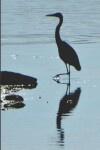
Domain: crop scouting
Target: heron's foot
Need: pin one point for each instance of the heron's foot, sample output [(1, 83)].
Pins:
[(68, 73), (56, 77), (68, 84)]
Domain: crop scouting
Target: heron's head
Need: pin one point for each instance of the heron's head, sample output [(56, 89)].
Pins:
[(59, 15)]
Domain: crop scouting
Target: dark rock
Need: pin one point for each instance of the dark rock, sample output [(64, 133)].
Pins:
[(12, 78), (14, 106), (14, 97)]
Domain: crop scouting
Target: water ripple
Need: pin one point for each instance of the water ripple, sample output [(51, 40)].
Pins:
[(29, 39)]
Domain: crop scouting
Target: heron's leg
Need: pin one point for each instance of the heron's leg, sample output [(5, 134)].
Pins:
[(67, 68), (68, 89), (69, 75), (68, 71), (57, 76)]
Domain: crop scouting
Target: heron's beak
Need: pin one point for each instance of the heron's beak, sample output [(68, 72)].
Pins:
[(51, 15)]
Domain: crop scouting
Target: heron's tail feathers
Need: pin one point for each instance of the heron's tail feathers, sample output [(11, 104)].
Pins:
[(78, 67)]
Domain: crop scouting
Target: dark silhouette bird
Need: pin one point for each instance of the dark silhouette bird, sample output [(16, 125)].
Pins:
[(66, 52)]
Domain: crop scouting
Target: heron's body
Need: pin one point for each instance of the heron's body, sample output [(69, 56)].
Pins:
[(66, 52)]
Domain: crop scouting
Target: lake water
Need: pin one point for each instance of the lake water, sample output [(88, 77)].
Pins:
[(51, 119)]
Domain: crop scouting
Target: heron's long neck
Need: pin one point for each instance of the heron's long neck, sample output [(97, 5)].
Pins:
[(57, 32)]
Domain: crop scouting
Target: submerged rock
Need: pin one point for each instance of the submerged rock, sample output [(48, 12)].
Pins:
[(12, 102), (13, 97), (13, 106)]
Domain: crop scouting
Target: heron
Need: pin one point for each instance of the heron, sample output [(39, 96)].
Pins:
[(66, 52)]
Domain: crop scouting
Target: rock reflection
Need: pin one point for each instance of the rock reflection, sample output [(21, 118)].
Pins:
[(12, 102), (67, 103)]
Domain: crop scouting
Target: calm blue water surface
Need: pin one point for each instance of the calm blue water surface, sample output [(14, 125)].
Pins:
[(28, 47)]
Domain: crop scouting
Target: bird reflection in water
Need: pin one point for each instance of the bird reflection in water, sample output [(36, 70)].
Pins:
[(67, 103)]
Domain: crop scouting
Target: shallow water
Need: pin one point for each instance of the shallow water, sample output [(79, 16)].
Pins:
[(28, 47)]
